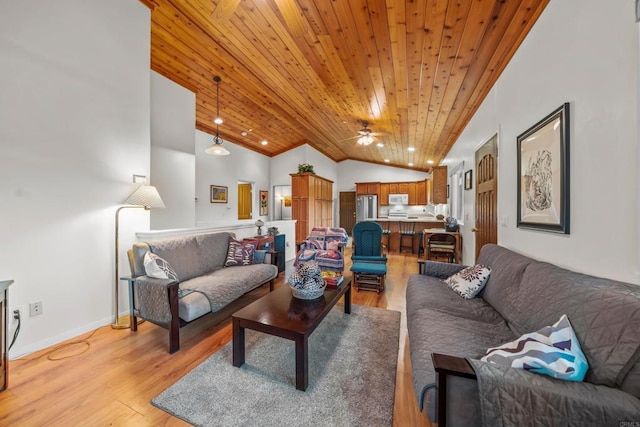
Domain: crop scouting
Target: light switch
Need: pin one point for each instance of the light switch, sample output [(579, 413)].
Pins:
[(504, 221)]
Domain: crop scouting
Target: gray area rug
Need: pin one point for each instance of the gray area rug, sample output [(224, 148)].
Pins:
[(352, 374)]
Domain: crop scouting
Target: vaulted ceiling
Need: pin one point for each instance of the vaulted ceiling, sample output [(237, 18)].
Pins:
[(313, 71)]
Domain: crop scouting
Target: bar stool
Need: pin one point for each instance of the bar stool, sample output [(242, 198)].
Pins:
[(386, 235), (406, 235), (420, 234)]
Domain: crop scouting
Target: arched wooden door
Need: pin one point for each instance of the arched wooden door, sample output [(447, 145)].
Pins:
[(486, 228)]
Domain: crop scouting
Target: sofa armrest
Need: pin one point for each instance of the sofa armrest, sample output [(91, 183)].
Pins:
[(444, 366), (440, 270), (151, 298)]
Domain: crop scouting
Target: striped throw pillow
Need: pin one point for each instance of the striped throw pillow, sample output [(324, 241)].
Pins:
[(553, 351)]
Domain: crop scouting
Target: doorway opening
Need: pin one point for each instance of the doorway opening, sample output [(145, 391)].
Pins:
[(245, 205), (281, 202)]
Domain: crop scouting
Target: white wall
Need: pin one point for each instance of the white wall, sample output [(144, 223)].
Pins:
[(74, 129), (173, 160), (240, 165), (564, 60), (352, 171)]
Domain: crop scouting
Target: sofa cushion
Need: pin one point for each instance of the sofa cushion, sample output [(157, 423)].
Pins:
[(469, 281), (467, 330), (553, 351), (225, 285), (605, 316), (446, 334), (426, 291), (239, 253), (157, 267), (507, 268), (181, 253), (212, 250)]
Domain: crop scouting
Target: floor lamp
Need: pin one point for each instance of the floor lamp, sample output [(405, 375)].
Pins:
[(146, 197)]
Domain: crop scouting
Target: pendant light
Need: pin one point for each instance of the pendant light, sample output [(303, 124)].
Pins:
[(216, 148)]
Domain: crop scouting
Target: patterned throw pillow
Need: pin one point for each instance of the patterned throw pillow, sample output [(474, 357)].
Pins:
[(157, 267), (239, 253), (469, 281), (553, 350)]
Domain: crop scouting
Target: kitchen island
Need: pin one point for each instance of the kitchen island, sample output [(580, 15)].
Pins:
[(393, 225)]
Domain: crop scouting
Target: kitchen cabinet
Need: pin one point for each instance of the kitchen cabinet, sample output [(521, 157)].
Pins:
[(403, 187), (411, 191), (311, 203), (439, 185), (383, 196), (422, 198), (367, 188), (393, 188)]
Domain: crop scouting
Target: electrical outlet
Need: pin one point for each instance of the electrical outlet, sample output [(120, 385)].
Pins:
[(35, 308)]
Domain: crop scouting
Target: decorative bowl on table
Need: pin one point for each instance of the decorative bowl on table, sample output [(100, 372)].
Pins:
[(306, 281)]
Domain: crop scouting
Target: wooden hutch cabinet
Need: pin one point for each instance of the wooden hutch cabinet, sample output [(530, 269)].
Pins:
[(311, 203)]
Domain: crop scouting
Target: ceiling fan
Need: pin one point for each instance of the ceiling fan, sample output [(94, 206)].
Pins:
[(365, 135)]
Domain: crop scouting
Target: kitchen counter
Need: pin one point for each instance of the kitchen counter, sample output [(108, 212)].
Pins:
[(408, 219), (420, 224)]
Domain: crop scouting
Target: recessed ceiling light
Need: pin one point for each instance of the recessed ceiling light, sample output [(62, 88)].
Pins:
[(430, 162), (243, 133), (264, 142), (410, 164), (380, 144), (411, 149), (386, 160)]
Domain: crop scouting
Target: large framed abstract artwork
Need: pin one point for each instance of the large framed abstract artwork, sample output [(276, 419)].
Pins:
[(543, 174)]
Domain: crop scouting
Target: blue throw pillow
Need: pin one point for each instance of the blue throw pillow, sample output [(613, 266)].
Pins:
[(553, 351), (259, 255)]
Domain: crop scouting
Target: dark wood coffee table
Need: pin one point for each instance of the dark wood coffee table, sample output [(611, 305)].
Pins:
[(282, 315)]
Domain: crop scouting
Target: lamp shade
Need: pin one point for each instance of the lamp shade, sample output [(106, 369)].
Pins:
[(145, 195), (217, 150)]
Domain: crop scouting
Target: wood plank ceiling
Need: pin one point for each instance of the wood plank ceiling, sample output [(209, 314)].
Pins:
[(312, 71)]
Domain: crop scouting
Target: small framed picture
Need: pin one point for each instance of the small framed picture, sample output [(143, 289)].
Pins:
[(264, 202), (219, 194), (468, 179)]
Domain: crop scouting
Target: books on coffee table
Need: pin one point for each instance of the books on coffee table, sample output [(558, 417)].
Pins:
[(333, 279)]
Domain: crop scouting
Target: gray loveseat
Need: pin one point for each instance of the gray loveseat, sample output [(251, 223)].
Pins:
[(204, 285), (522, 295)]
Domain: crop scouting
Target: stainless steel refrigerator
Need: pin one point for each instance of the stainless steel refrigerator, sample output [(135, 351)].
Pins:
[(366, 207)]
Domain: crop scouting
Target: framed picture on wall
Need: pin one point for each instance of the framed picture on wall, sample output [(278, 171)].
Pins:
[(219, 194), (264, 202), (468, 179), (543, 174)]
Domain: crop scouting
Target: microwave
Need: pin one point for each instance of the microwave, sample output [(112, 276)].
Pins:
[(398, 199)]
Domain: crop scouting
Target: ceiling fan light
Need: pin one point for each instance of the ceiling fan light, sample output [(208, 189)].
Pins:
[(365, 140)]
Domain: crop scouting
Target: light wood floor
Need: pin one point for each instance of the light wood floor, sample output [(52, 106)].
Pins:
[(109, 377)]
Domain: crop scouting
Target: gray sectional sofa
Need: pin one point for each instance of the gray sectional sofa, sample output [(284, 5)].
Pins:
[(204, 285), (521, 296)]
